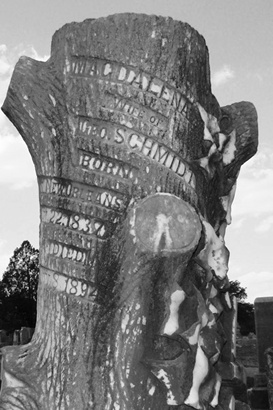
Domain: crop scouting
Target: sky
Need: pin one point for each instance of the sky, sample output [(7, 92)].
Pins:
[(239, 35)]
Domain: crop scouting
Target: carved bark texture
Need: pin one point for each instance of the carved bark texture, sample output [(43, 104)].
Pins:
[(136, 166)]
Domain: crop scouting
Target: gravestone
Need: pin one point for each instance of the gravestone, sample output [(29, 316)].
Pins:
[(25, 334), (3, 338), (16, 337), (137, 166), (264, 328), (259, 396)]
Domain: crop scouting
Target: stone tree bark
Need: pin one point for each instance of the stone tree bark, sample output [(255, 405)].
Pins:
[(136, 166)]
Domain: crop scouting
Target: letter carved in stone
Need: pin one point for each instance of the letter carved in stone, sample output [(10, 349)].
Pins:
[(137, 166)]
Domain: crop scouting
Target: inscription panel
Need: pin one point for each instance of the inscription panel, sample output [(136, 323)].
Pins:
[(69, 285), (69, 267), (77, 222), (68, 237), (151, 123), (122, 111), (113, 167), (159, 113), (135, 142), (83, 193), (72, 253), (91, 210), (123, 137), (103, 70)]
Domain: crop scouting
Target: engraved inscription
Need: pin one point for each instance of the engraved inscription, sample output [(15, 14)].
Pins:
[(135, 142), (60, 250), (118, 73), (116, 168), (125, 112), (93, 211), (119, 118), (146, 99), (123, 96), (70, 189), (68, 237), (76, 222), (69, 268), (70, 286)]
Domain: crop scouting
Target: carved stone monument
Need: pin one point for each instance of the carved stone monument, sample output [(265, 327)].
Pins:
[(137, 166)]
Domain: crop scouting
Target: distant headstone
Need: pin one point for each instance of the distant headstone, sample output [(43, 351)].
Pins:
[(3, 337), (26, 334), (137, 166), (264, 328), (16, 337), (259, 397)]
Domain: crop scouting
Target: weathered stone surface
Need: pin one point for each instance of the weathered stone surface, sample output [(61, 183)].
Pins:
[(136, 166)]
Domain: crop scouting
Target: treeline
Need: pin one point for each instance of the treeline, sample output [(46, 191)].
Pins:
[(18, 289)]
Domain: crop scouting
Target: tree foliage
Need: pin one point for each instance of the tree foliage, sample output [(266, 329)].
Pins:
[(246, 318), (237, 290), (18, 288), (245, 315)]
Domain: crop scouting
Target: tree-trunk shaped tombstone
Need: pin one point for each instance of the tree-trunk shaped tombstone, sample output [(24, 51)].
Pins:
[(137, 166)]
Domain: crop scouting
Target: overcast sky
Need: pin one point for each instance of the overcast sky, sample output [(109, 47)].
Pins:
[(239, 35)]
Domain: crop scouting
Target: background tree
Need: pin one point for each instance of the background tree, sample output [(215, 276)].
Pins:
[(237, 290), (18, 288), (245, 316)]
